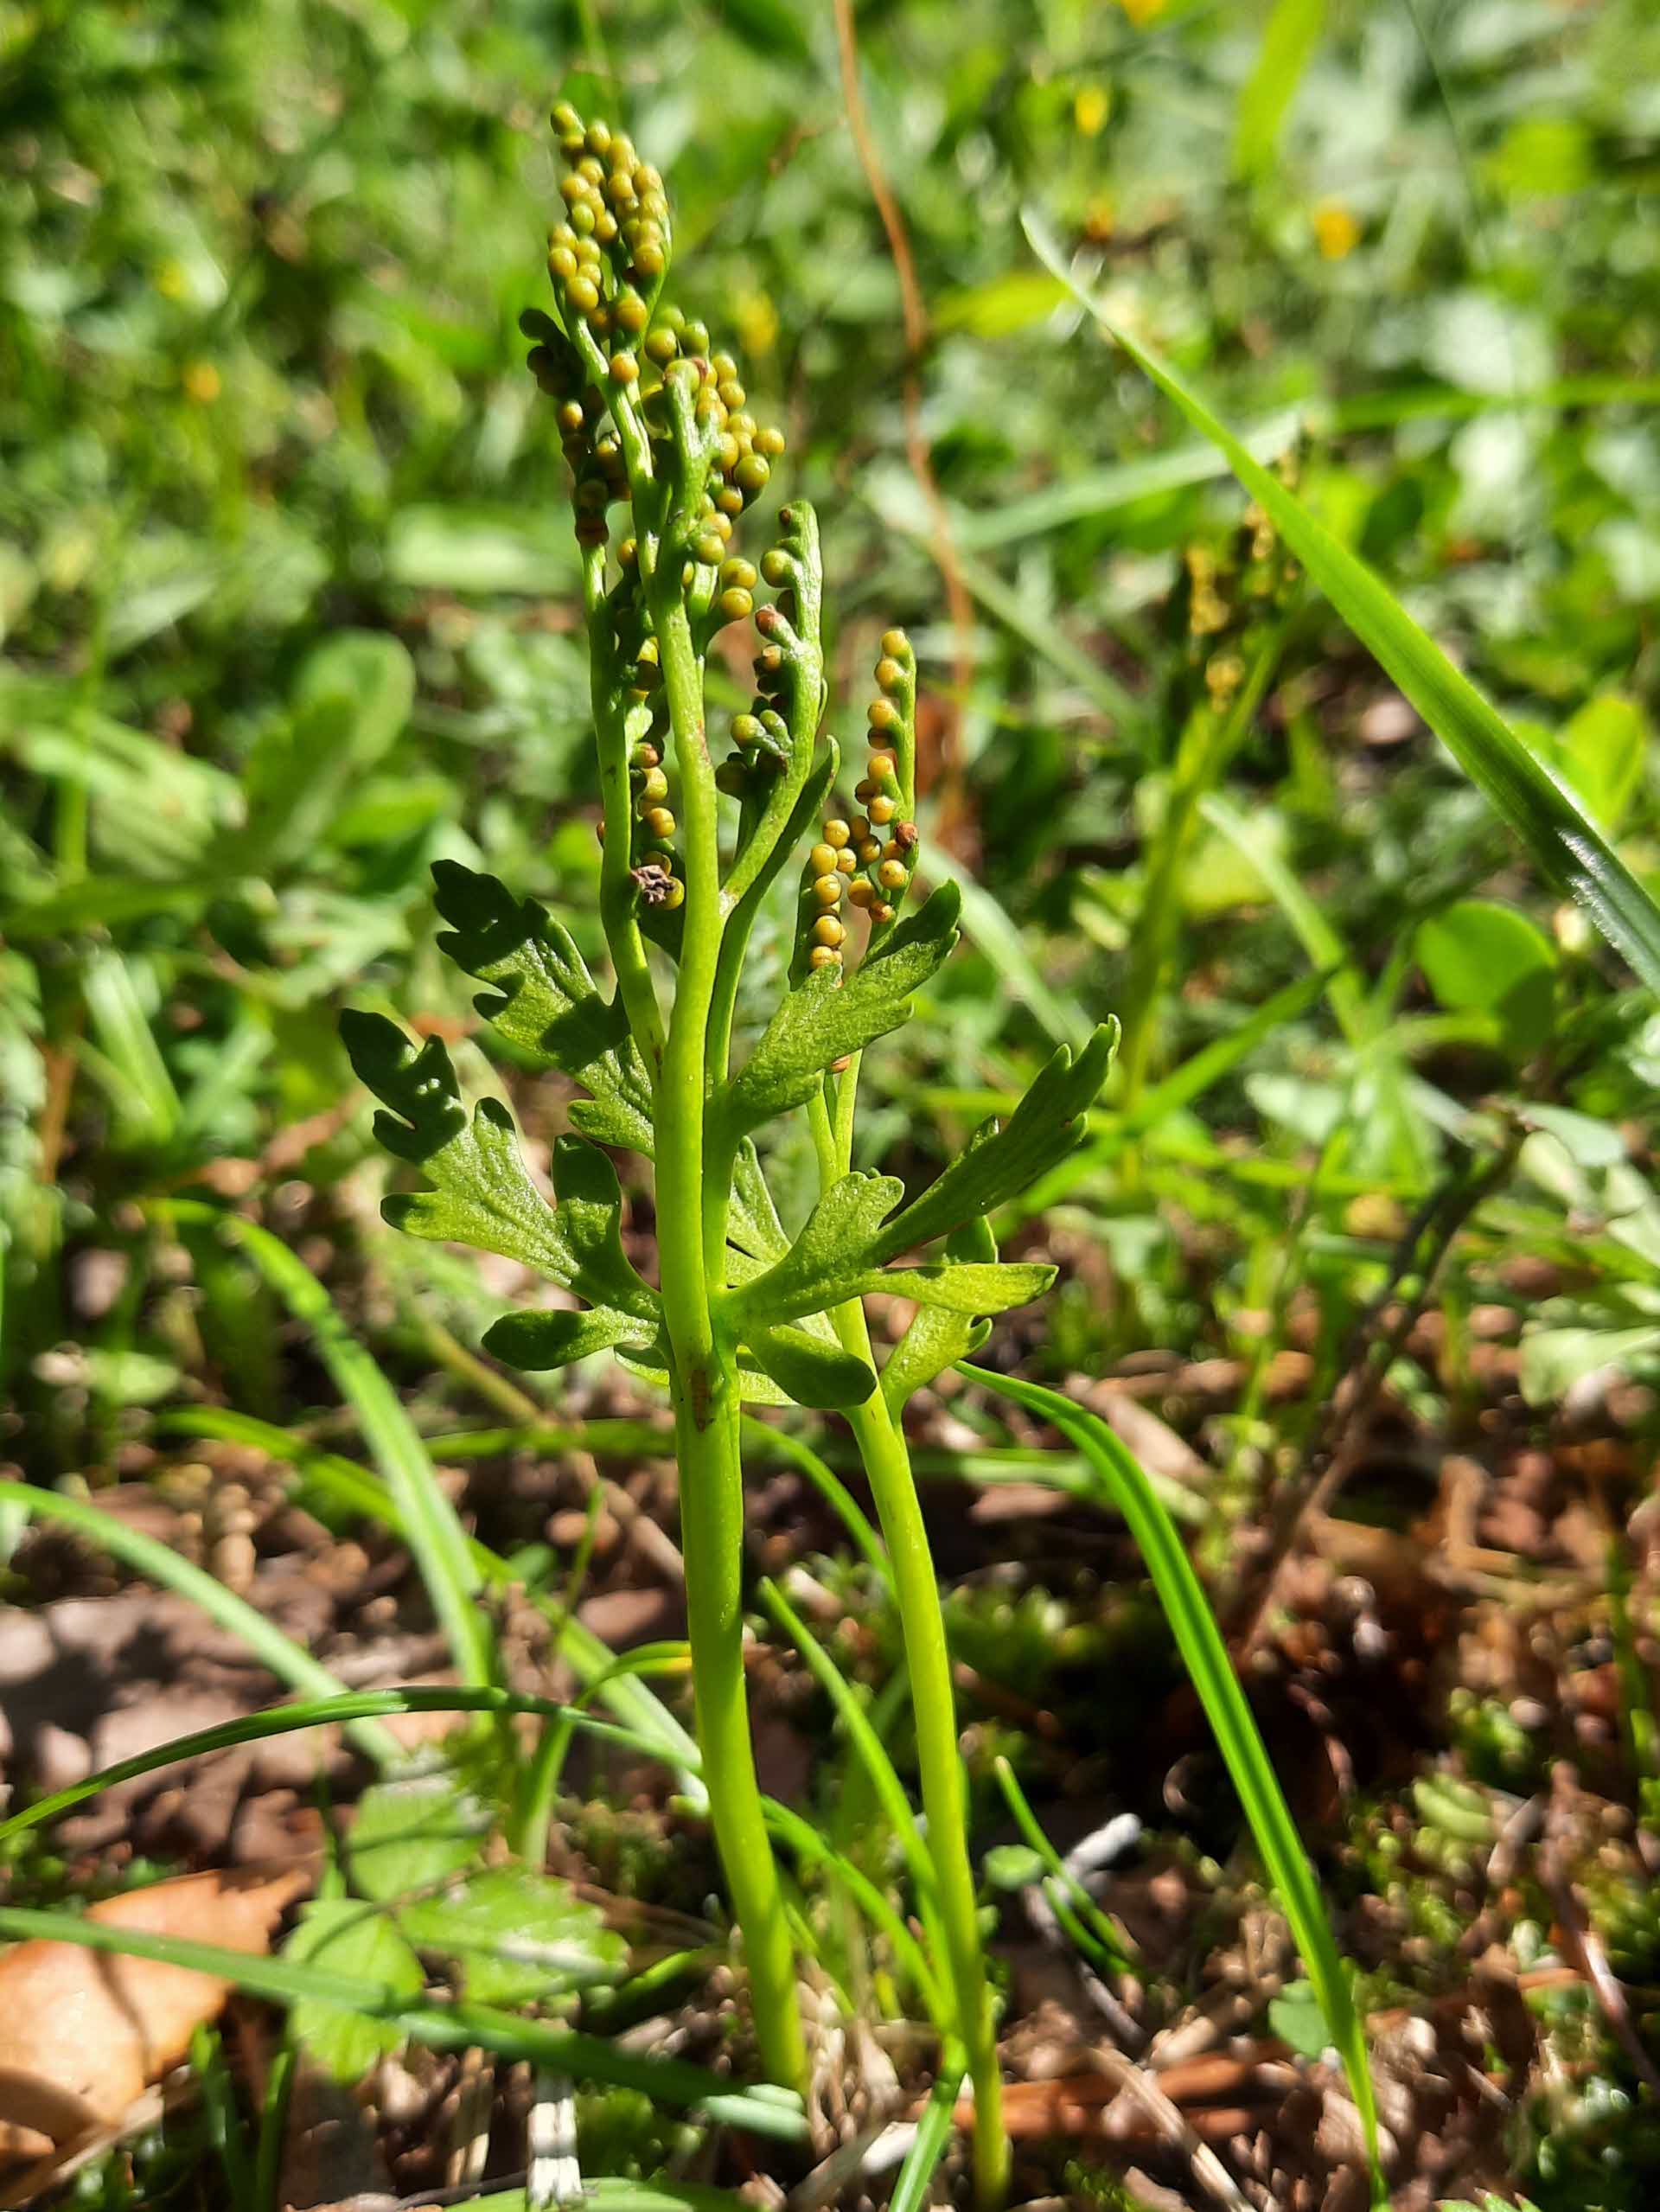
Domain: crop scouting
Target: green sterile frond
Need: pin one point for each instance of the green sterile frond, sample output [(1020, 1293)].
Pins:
[(752, 1220), (1003, 1160), (937, 1337), (538, 1341), (964, 1287), (830, 1251), (826, 1018), (545, 1002), (811, 1370), (547, 1006), (753, 1388), (591, 1209), (481, 1193), (843, 1252)]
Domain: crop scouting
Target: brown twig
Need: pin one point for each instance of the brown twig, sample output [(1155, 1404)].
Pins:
[(1334, 1450), (952, 822), (60, 1063)]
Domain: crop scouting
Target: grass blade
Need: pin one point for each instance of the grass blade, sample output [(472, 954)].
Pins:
[(990, 932), (1123, 1484), (319, 1712), (289, 1661), (932, 2132), (1561, 837), (829, 1486), (884, 1777), (426, 1518), (1289, 42), (274, 2122), (363, 1704), (355, 1488), (872, 1754), (1102, 1940), (447, 2027), (809, 1845), (1122, 484)]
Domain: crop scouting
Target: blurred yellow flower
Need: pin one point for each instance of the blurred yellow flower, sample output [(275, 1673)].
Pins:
[(1336, 231), (202, 382), (757, 324), (1091, 108), (1374, 1214), (1142, 12)]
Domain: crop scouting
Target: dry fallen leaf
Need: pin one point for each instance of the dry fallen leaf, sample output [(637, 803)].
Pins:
[(83, 2033)]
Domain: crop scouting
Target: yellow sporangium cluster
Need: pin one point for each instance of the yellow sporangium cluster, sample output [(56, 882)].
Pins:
[(651, 418), (614, 340), (1231, 586), (869, 857)]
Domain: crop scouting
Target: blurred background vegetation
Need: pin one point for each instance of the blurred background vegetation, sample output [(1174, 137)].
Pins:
[(262, 268), (287, 588)]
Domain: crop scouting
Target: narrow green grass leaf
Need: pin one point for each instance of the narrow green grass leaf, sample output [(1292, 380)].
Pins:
[(361, 1705), (1097, 492), (344, 1707), (1560, 836), (921, 2161), (225, 2129), (872, 1755), (989, 930), (1123, 1484), (1315, 933), (1289, 42), (273, 2129), (426, 1517), (808, 1844), (448, 2027), (885, 1779), (356, 1489), (289, 1661), (1107, 1941)]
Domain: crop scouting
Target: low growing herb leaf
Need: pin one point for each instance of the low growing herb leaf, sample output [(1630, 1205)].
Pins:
[(517, 1937), (412, 1832), (1485, 958), (343, 1935)]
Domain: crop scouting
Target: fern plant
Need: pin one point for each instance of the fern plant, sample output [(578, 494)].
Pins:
[(655, 424)]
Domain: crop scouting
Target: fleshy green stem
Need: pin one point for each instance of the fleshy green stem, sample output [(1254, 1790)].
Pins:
[(691, 1224), (887, 1463), (886, 1460)]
